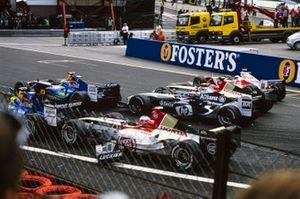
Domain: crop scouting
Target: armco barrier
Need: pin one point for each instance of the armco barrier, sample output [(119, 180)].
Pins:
[(216, 60)]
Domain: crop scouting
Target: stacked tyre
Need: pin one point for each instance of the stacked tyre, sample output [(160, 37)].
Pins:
[(35, 186)]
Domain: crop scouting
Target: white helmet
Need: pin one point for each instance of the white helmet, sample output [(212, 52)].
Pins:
[(144, 120)]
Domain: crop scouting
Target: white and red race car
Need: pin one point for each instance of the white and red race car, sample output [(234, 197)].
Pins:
[(245, 83), (117, 137)]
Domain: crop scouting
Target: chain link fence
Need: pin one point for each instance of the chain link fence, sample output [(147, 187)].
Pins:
[(66, 153)]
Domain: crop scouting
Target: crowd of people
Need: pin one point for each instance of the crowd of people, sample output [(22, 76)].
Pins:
[(282, 14), (22, 18)]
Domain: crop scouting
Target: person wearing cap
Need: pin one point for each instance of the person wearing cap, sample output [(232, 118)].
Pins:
[(160, 36)]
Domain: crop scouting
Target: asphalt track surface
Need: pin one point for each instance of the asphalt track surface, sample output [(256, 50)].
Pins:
[(278, 130)]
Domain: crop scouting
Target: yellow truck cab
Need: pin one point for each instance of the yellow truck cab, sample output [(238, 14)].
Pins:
[(226, 26), (193, 26)]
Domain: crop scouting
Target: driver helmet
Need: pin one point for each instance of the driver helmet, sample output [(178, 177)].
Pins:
[(21, 93), (145, 121), (236, 77), (220, 81), (71, 76)]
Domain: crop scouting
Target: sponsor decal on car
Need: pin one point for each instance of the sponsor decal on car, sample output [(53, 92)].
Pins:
[(108, 151), (207, 58), (166, 103), (92, 92), (126, 144), (246, 104), (50, 116)]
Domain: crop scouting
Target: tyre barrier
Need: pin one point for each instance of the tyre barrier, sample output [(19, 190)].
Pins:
[(24, 173), (83, 196), (58, 192), (26, 195), (31, 183)]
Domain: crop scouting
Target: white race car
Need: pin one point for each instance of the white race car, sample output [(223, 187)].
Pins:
[(117, 137)]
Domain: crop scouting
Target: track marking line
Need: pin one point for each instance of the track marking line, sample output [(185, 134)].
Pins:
[(133, 167), (118, 63)]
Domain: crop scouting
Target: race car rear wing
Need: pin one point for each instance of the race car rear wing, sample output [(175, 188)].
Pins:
[(53, 113)]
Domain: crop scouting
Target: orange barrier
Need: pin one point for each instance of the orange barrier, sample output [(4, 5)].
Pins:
[(83, 196), (24, 173), (58, 192), (26, 195), (31, 183)]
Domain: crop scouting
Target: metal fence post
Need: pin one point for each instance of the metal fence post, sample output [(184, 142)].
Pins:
[(221, 167)]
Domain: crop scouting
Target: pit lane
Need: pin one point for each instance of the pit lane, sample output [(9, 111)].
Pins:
[(277, 129)]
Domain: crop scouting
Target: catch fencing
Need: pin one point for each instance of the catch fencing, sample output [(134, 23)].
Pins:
[(138, 175)]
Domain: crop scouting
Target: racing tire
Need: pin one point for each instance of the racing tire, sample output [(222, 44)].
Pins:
[(80, 97), (281, 91), (19, 85), (209, 149), (136, 105), (297, 45), (236, 38), (70, 133), (163, 90), (115, 115), (228, 115), (57, 191), (198, 81), (266, 106), (186, 154), (201, 38), (31, 183), (35, 126)]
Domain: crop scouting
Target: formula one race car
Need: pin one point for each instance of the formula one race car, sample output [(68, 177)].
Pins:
[(246, 83), (38, 114), (117, 137), (229, 106), (74, 89)]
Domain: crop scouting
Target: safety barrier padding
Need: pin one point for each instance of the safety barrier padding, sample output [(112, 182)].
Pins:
[(217, 60), (109, 37)]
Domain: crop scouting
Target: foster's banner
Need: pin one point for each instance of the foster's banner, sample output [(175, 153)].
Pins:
[(216, 60)]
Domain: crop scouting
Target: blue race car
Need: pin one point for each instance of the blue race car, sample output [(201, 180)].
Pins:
[(38, 114), (72, 89)]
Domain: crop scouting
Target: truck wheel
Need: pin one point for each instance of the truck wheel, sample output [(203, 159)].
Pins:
[(297, 45), (186, 154), (274, 40), (228, 115), (136, 105), (236, 38), (201, 38), (198, 81)]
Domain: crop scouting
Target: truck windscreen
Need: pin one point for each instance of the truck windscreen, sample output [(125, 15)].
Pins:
[(216, 20), (182, 20)]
